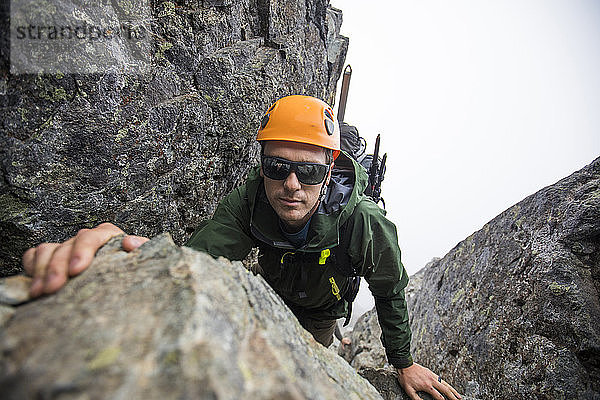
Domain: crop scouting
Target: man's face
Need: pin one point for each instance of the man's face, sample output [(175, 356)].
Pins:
[(293, 201)]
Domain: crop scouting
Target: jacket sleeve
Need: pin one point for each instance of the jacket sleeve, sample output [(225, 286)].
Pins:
[(374, 250), (227, 233)]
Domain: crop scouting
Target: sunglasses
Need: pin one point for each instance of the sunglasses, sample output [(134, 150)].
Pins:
[(307, 173)]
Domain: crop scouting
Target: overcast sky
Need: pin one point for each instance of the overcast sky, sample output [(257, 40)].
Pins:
[(479, 104)]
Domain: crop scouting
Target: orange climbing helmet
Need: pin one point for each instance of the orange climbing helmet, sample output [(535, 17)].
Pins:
[(303, 119)]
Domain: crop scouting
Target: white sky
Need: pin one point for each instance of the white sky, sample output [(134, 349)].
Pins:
[(479, 103)]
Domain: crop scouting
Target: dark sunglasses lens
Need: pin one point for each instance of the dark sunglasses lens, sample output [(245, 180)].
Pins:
[(275, 169), (311, 174)]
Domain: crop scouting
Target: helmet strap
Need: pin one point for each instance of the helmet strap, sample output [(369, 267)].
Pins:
[(323, 192)]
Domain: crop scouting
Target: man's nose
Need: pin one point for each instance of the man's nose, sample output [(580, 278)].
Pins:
[(292, 182)]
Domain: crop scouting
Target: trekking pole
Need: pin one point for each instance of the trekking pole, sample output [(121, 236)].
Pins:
[(344, 93)]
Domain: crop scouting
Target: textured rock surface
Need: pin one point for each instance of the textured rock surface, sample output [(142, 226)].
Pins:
[(6, 313), (512, 311), (367, 356), (155, 152), (365, 350), (167, 322)]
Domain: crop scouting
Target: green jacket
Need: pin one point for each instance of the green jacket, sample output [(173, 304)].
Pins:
[(306, 278)]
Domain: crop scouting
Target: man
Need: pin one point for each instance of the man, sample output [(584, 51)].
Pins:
[(304, 222)]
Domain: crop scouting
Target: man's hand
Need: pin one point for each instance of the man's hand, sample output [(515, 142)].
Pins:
[(418, 378), (51, 264)]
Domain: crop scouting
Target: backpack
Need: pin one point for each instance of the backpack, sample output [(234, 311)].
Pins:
[(355, 146)]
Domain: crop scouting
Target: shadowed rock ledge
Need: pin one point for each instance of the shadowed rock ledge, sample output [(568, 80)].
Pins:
[(512, 311), (165, 322)]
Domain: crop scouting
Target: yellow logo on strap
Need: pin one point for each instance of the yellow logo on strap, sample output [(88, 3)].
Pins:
[(285, 254), (324, 254), (334, 288)]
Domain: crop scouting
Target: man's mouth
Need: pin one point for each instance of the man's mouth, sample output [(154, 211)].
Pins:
[(289, 202)]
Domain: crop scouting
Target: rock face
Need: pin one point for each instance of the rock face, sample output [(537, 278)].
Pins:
[(512, 311), (367, 356), (154, 152), (165, 322)]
